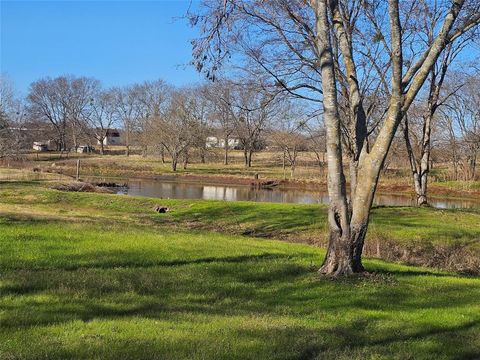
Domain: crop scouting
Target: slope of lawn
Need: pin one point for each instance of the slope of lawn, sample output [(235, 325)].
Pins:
[(446, 239), (90, 276)]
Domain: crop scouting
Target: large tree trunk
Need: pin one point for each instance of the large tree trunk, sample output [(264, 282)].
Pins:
[(250, 153), (185, 158), (420, 186), (74, 139), (339, 258), (455, 168), (471, 162), (174, 163), (420, 169), (353, 176), (225, 159), (347, 229), (127, 142)]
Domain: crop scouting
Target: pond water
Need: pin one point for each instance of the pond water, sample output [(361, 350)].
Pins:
[(184, 190)]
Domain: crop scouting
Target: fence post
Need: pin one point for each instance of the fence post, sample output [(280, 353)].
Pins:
[(78, 169)]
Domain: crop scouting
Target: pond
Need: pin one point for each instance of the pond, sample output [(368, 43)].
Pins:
[(185, 190)]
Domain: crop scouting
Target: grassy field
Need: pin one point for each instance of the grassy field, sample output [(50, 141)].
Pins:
[(98, 276)]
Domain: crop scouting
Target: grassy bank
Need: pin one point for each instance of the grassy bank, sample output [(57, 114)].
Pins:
[(95, 276), (446, 239)]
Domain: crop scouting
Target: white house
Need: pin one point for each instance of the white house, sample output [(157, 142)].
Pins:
[(44, 145), (113, 137), (40, 146), (233, 143), (215, 142)]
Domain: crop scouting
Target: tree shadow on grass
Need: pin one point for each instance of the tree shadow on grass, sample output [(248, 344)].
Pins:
[(275, 338), (128, 285), (132, 260), (263, 284)]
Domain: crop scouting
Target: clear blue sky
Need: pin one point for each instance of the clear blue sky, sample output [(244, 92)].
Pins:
[(117, 42)]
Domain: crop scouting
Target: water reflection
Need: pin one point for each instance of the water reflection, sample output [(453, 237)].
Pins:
[(178, 190)]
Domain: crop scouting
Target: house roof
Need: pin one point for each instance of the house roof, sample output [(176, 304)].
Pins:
[(113, 132)]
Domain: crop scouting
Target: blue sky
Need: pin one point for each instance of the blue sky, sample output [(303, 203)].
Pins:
[(117, 42)]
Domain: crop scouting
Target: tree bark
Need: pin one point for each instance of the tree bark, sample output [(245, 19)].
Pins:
[(74, 138), (339, 258), (127, 141), (471, 161), (225, 160), (174, 163), (250, 153), (420, 169), (185, 159)]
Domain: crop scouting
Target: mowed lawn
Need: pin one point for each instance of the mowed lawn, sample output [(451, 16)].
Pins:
[(93, 276)]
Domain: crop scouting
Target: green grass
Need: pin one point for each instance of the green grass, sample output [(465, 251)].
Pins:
[(93, 276), (448, 239), (460, 185)]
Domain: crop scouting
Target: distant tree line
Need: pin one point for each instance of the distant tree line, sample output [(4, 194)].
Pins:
[(174, 123), (157, 118)]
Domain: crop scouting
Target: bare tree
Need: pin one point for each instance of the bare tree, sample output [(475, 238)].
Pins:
[(451, 142), (251, 109), (317, 142), (303, 45), (12, 117), (420, 159), (200, 109), (176, 128), (287, 133), (101, 116), (152, 98), (77, 99), (464, 121), (47, 102), (219, 93), (62, 101), (128, 111)]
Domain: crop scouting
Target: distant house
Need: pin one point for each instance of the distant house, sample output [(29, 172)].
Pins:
[(44, 145), (83, 149), (40, 146), (215, 142), (211, 142), (113, 137)]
